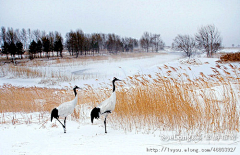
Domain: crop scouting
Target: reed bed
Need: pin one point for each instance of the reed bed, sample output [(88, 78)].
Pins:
[(180, 105), (32, 99), (25, 101), (208, 104)]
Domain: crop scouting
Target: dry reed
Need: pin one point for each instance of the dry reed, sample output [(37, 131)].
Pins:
[(230, 57), (179, 104)]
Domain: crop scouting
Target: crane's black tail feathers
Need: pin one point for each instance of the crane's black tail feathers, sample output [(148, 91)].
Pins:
[(95, 113), (54, 114)]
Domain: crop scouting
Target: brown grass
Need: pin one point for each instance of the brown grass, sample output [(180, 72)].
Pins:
[(32, 99), (232, 57), (179, 105)]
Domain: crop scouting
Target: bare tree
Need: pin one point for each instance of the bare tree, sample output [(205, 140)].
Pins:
[(101, 41), (3, 35), (11, 36), (151, 40), (185, 43), (24, 38), (209, 39), (128, 44), (145, 41), (37, 35), (43, 34), (51, 39), (75, 42), (29, 36), (79, 42), (17, 35), (156, 42), (88, 42), (102, 44), (95, 40), (58, 46), (70, 42), (113, 43)]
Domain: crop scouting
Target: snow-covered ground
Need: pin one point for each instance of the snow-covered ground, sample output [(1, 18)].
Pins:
[(82, 137)]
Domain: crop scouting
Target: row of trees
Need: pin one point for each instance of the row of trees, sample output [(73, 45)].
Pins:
[(39, 43), (79, 43), (13, 49), (16, 42), (207, 39), (45, 45)]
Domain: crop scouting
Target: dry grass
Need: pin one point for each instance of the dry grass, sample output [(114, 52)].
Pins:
[(233, 57), (179, 105), (151, 103), (33, 99), (29, 100)]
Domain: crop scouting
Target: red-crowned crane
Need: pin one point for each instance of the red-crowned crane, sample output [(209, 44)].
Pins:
[(106, 106), (65, 109)]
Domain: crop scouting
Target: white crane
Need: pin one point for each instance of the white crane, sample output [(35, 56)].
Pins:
[(65, 109), (106, 106)]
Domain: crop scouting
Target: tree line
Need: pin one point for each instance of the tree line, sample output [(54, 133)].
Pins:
[(79, 43), (40, 44)]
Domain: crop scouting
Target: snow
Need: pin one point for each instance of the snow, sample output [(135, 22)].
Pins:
[(230, 50), (40, 136), (85, 138), (80, 139)]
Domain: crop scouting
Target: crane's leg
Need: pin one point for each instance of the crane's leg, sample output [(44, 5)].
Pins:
[(105, 125), (64, 125), (105, 120)]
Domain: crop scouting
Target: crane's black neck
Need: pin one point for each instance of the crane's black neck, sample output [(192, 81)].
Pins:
[(75, 92), (114, 79), (113, 85)]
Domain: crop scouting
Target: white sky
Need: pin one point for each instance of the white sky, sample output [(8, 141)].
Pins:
[(127, 18)]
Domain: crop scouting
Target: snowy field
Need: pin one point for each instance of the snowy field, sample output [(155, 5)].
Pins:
[(82, 137)]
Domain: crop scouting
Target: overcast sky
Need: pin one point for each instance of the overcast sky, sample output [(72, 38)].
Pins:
[(127, 18)]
